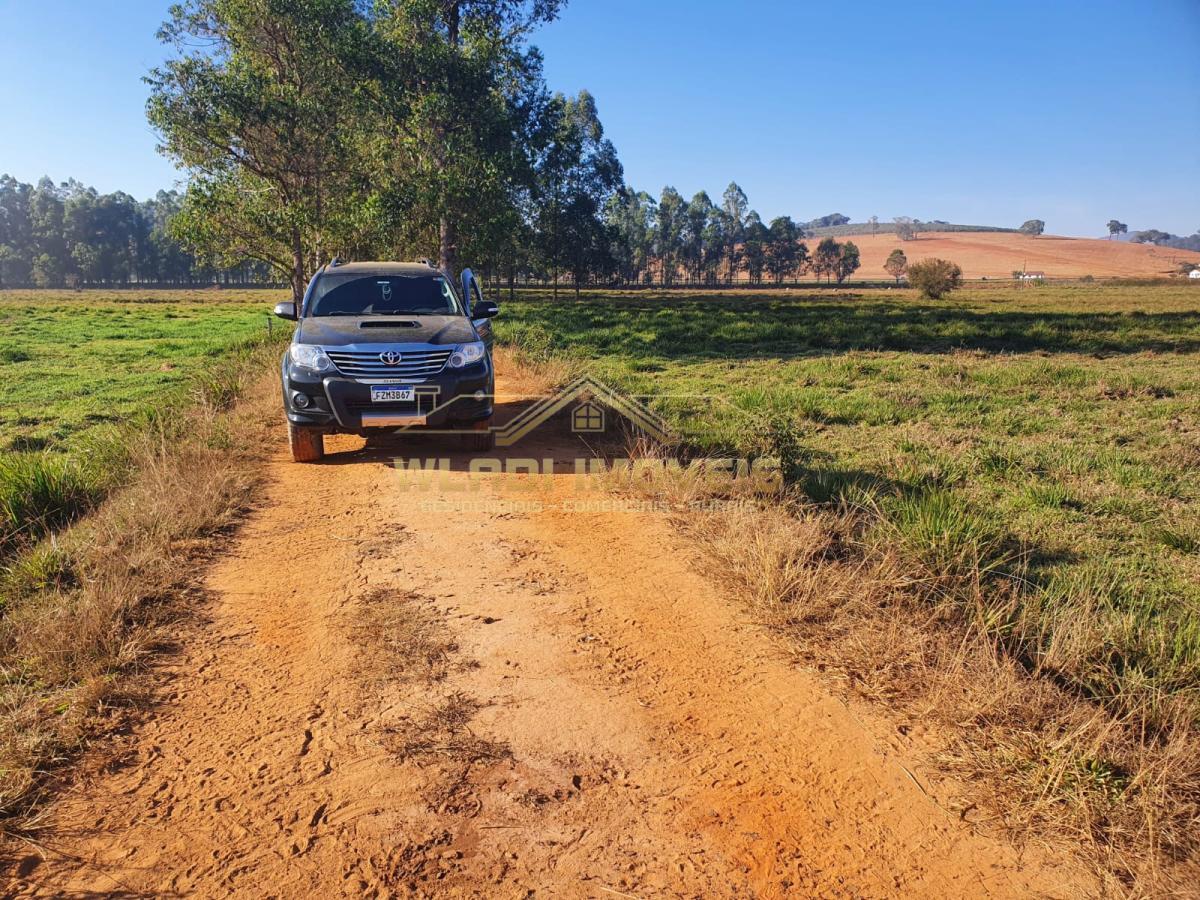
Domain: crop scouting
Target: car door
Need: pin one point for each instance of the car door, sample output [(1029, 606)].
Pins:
[(472, 294)]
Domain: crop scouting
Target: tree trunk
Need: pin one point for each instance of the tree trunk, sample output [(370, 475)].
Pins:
[(447, 228), (447, 250), (299, 282)]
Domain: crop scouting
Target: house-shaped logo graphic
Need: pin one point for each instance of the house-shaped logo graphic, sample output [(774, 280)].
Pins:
[(590, 399), (587, 418)]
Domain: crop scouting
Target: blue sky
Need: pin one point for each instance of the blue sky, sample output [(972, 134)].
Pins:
[(978, 112)]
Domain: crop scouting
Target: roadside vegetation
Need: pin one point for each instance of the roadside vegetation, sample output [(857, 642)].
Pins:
[(119, 458), (992, 517), (79, 605)]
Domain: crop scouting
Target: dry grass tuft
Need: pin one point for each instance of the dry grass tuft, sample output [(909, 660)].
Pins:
[(439, 738), (403, 638), (530, 373), (81, 608), (444, 729)]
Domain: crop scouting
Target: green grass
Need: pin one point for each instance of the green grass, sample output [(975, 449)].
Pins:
[(74, 361), (78, 368), (1049, 437)]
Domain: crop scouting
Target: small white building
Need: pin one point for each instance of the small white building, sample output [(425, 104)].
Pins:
[(1195, 273), (1033, 276)]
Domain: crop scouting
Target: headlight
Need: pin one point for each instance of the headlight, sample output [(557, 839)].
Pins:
[(309, 356), (467, 354)]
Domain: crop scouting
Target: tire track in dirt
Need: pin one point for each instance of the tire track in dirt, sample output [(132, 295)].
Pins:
[(541, 700)]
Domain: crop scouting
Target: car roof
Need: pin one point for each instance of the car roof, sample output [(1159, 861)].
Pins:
[(382, 268)]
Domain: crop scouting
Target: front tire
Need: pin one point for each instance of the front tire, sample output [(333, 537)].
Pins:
[(307, 444), (481, 438)]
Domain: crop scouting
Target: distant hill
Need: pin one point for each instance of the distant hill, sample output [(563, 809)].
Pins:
[(852, 228), (996, 253)]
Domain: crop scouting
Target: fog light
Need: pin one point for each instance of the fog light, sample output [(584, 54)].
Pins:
[(479, 395), (300, 401)]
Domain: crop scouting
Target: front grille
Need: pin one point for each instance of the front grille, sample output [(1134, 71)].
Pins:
[(367, 364)]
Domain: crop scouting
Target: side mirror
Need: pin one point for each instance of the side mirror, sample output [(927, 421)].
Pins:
[(484, 309), (286, 310)]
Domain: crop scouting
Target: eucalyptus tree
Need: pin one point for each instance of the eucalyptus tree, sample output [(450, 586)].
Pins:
[(630, 218), (825, 259), (697, 214), (848, 261), (103, 234), (464, 98), (717, 245), (16, 231), (754, 247), (668, 233), (167, 259), (735, 206), (262, 104), (576, 177), (48, 243), (785, 255)]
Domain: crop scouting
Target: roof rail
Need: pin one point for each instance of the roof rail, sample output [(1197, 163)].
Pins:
[(425, 261)]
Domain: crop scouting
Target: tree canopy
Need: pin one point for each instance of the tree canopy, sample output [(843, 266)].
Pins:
[(934, 278), (896, 264)]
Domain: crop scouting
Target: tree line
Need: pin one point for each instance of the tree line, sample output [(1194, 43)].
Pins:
[(69, 234), (59, 235), (661, 241)]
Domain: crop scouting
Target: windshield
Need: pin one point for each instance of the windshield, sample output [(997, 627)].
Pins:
[(351, 294)]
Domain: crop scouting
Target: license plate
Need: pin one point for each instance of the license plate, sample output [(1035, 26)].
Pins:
[(391, 393)]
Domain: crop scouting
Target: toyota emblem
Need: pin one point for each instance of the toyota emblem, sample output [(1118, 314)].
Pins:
[(390, 358)]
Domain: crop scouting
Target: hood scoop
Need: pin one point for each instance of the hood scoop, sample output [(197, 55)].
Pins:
[(390, 323)]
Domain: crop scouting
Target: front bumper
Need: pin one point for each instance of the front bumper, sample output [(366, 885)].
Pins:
[(338, 403)]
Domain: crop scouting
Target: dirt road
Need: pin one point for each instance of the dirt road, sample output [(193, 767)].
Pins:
[(397, 688)]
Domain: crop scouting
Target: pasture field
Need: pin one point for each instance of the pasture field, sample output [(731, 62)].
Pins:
[(73, 361), (1023, 459), (1045, 441), (80, 367)]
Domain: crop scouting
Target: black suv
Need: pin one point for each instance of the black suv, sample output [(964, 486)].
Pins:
[(382, 345)]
